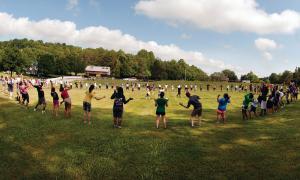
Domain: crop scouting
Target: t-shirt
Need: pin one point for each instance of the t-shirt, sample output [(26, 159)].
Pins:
[(24, 89), (119, 101), (247, 100), (194, 101), (223, 104), (264, 91), (254, 104), (161, 105), (40, 91), (54, 96), (65, 94), (89, 96), (270, 104)]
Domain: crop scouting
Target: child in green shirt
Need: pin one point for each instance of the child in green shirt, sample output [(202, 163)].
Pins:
[(161, 103)]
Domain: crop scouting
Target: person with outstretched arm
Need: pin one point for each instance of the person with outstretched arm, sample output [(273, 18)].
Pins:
[(118, 107), (197, 111), (87, 103), (41, 97)]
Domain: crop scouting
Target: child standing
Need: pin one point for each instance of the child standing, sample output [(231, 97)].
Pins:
[(247, 100), (89, 95), (66, 99), (118, 107), (55, 98), (161, 103), (223, 102), (270, 104), (253, 107)]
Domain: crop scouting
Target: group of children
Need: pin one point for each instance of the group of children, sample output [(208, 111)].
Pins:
[(268, 102)]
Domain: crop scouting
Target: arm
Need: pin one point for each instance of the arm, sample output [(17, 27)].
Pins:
[(188, 105), (155, 102), (97, 98), (218, 98), (51, 84), (125, 102), (113, 95)]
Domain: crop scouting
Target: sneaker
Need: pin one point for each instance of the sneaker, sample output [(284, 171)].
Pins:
[(119, 127), (34, 109), (43, 112)]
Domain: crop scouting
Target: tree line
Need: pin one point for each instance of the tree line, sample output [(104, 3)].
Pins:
[(50, 59)]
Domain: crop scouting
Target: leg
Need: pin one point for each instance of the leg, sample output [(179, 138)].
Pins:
[(89, 117), (224, 117), (165, 121), (199, 120), (157, 121), (37, 105), (119, 122), (115, 121), (192, 121)]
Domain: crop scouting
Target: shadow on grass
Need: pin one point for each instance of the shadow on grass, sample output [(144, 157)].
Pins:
[(35, 145)]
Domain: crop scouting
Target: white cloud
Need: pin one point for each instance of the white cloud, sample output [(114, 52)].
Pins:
[(221, 15), (72, 4), (99, 36), (264, 46), (268, 56), (185, 36)]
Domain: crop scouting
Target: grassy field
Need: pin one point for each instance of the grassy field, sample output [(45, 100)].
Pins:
[(36, 146)]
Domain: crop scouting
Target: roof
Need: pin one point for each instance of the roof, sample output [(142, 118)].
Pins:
[(97, 68)]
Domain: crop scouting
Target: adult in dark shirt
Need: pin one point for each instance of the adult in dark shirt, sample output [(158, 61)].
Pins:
[(118, 107), (41, 97), (197, 111)]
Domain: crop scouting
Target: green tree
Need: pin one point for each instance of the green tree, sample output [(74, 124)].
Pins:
[(12, 60), (286, 77), (230, 75), (251, 77), (46, 64), (274, 78)]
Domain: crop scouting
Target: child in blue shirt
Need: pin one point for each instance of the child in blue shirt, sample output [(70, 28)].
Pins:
[(223, 102)]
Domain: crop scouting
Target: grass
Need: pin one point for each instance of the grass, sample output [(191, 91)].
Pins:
[(36, 146)]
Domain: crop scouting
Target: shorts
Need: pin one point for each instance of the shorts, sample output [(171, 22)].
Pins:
[(196, 112), (263, 105), (42, 101), (87, 106), (118, 112), (160, 113), (25, 97), (253, 109), (55, 103), (10, 89), (67, 103), (244, 107), (220, 112)]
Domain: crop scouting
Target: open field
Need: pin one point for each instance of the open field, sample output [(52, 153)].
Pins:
[(37, 146)]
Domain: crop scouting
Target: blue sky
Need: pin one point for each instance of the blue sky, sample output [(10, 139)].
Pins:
[(228, 44)]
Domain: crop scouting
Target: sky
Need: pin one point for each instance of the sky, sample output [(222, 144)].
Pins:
[(243, 35)]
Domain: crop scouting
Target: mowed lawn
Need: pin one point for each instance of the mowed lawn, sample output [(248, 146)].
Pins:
[(36, 146)]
